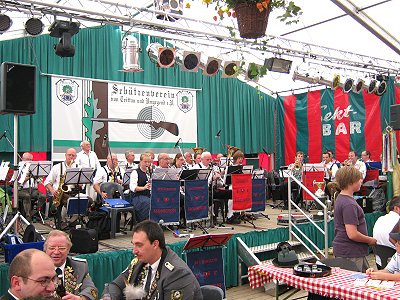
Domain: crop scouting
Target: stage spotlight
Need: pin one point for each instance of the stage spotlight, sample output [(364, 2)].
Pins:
[(279, 65), (34, 26), (164, 56), (212, 66), (372, 86), (359, 85), (335, 81), (348, 85), (381, 88), (64, 30), (169, 6), (230, 69), (190, 61), (5, 23), (130, 54)]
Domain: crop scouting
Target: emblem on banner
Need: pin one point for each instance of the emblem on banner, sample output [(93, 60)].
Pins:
[(185, 101), (67, 91)]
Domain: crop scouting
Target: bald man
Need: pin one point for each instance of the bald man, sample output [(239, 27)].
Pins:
[(163, 160), (52, 183), (31, 274)]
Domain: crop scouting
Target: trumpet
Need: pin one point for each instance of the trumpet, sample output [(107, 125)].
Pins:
[(348, 163), (297, 165)]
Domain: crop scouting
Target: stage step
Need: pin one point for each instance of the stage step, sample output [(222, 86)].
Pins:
[(247, 255)]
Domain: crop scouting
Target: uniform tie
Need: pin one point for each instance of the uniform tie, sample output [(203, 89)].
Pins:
[(148, 280)]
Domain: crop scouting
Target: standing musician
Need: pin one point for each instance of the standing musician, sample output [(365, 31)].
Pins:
[(88, 159), (296, 169), (140, 186), (355, 162), (330, 169), (108, 173), (29, 189), (55, 185)]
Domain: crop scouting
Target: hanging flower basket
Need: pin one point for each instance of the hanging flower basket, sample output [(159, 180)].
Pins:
[(252, 23)]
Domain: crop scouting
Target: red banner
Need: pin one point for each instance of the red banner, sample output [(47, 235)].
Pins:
[(241, 191), (309, 177)]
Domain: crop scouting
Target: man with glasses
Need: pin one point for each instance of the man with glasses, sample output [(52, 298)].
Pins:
[(31, 274), (75, 274)]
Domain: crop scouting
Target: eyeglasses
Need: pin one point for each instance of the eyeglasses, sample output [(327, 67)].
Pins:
[(59, 248), (45, 281)]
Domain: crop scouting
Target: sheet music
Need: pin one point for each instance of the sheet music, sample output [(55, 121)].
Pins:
[(24, 170), (172, 174), (159, 173), (247, 169), (314, 167), (4, 167)]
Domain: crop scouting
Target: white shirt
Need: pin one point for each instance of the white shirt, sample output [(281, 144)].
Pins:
[(54, 176), (360, 166), (331, 166), (393, 266), (87, 160), (383, 226), (102, 175), (153, 272)]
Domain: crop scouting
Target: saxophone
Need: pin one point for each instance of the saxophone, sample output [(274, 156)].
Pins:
[(61, 190)]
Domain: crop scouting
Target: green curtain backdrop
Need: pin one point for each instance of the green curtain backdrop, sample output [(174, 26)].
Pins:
[(245, 117)]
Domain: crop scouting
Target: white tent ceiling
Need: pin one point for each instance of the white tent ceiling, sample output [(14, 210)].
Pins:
[(328, 39)]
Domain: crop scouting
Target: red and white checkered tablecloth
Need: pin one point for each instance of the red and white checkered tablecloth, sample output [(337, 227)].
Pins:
[(338, 284)]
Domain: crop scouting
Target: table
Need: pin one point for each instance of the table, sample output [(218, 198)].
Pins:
[(113, 214), (338, 284)]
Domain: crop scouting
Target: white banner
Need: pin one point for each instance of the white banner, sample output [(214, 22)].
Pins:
[(140, 117)]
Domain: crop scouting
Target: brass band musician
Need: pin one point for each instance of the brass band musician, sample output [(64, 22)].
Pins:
[(108, 173), (60, 191), (29, 189), (140, 186), (296, 169)]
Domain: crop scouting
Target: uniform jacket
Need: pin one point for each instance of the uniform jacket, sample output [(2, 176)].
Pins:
[(175, 281)]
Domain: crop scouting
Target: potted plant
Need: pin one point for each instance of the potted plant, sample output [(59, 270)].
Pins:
[(252, 15)]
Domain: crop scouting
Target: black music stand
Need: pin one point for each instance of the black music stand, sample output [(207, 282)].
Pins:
[(232, 170), (190, 174), (38, 169), (76, 177)]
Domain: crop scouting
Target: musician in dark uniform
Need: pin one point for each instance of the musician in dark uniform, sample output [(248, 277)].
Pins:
[(156, 272), (75, 271), (140, 186), (31, 274)]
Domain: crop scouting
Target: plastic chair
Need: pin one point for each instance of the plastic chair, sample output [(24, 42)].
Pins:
[(111, 188), (341, 263), (385, 253), (211, 292)]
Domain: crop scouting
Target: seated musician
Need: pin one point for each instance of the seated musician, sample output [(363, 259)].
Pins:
[(140, 186), (55, 185), (163, 160), (179, 162), (28, 190), (366, 156), (108, 173), (197, 158), (189, 159), (130, 160), (296, 169)]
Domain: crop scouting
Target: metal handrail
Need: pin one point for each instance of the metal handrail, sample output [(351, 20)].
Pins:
[(292, 224)]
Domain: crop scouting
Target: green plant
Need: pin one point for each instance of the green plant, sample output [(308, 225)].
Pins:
[(291, 11)]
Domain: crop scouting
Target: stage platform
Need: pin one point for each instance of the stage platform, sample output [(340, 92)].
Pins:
[(115, 254)]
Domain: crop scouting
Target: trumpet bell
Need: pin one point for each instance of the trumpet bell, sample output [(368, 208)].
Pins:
[(199, 150), (232, 150)]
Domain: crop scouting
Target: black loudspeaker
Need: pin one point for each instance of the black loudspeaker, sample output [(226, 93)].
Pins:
[(395, 116), (18, 88), (84, 240)]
